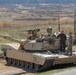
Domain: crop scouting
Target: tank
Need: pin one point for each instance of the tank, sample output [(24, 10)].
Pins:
[(35, 54)]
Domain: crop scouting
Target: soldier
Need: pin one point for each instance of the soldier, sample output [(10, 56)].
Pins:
[(62, 37), (70, 43), (29, 34), (33, 34), (48, 37), (49, 31)]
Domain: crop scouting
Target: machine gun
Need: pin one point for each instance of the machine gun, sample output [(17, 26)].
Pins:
[(32, 34)]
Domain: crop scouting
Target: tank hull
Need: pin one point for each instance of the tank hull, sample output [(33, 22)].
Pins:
[(35, 60)]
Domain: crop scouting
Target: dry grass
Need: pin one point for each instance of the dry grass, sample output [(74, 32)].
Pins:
[(5, 24), (42, 22)]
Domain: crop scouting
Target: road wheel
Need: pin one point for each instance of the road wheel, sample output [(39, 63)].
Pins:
[(13, 61), (26, 64), (36, 67), (31, 65), (22, 63), (9, 61), (17, 62)]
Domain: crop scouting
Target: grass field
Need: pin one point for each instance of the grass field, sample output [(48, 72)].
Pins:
[(21, 30)]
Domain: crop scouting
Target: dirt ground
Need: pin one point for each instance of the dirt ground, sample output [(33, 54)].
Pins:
[(10, 70)]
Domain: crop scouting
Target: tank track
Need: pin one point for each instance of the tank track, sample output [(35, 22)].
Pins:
[(28, 65)]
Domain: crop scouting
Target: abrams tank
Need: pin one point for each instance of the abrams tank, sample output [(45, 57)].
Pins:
[(34, 54)]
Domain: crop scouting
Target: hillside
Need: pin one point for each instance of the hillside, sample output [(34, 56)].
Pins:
[(36, 1)]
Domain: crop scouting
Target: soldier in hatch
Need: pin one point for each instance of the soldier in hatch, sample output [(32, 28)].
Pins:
[(33, 34), (49, 33), (48, 36)]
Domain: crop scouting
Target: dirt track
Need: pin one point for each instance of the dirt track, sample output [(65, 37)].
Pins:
[(9, 70)]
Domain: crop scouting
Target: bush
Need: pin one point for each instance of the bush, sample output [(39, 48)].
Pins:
[(5, 24)]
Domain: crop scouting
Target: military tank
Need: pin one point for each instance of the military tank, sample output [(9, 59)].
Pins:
[(33, 54)]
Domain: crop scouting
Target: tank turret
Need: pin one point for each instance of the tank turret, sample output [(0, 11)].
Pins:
[(34, 45)]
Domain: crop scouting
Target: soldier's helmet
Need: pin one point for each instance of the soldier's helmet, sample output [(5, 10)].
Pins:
[(49, 29)]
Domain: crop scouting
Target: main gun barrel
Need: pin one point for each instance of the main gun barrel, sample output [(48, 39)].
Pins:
[(21, 42), (13, 39)]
